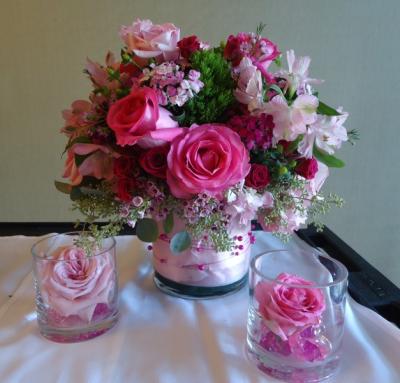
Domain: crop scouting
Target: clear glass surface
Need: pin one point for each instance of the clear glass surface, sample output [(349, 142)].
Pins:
[(296, 315), (76, 293)]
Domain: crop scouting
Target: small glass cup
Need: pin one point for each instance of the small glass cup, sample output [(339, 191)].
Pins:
[(76, 293), (296, 315)]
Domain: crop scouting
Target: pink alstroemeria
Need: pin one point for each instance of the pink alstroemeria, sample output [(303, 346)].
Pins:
[(249, 90), (327, 133), (296, 76), (79, 116), (99, 75), (291, 121), (98, 163)]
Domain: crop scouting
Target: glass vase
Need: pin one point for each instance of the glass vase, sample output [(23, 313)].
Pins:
[(76, 292), (296, 315), (201, 271)]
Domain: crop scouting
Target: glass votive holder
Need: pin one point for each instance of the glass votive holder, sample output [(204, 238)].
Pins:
[(76, 291), (296, 314)]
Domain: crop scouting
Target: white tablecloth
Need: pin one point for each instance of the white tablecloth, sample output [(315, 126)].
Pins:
[(163, 339)]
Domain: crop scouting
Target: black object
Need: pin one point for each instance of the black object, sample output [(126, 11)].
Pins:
[(366, 284)]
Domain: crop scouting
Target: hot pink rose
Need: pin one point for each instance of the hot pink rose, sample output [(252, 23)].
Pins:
[(307, 168), (74, 284), (98, 163), (137, 118), (287, 309), (147, 40), (206, 159)]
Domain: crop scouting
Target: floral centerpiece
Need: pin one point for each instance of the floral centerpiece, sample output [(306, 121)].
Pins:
[(190, 143)]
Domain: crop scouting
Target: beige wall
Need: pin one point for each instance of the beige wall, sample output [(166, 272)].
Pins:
[(354, 46)]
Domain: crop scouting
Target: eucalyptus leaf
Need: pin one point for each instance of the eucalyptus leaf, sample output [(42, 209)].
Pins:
[(168, 224), (327, 110), (147, 230), (180, 242), (327, 159), (63, 187)]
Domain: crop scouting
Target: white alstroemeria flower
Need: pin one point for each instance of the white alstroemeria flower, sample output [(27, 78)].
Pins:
[(297, 74), (291, 121), (327, 133)]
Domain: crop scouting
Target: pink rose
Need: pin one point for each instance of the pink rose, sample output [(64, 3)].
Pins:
[(98, 163), (147, 40), (137, 118), (287, 309), (206, 159), (258, 178), (74, 284)]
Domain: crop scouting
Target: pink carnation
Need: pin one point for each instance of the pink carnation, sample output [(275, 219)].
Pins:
[(206, 159)]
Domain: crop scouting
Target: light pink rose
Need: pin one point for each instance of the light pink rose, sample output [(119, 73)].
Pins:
[(73, 284), (286, 308), (137, 118), (206, 159), (249, 86), (98, 163), (147, 40)]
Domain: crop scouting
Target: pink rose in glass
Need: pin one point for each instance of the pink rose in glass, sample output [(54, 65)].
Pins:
[(206, 159), (98, 163), (287, 308), (137, 118), (74, 284), (147, 40)]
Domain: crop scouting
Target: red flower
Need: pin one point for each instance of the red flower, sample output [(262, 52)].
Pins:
[(233, 51), (154, 161), (130, 69), (125, 188), (307, 168), (258, 178), (188, 46), (123, 166)]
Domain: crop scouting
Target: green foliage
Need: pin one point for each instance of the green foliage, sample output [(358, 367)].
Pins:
[(147, 230), (180, 242), (327, 159), (326, 110), (216, 97), (63, 187), (168, 224)]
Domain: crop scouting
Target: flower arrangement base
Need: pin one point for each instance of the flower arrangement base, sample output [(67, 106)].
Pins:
[(196, 292), (278, 370), (78, 334)]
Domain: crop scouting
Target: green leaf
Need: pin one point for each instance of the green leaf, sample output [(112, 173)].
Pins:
[(63, 187), (327, 159), (327, 110), (75, 193), (147, 230), (294, 144), (276, 88), (168, 223), (77, 140), (180, 242), (80, 158)]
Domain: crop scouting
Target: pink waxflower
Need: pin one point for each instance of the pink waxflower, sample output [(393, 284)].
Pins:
[(206, 159), (147, 40), (249, 89), (74, 284), (327, 133), (289, 304), (98, 163), (291, 121), (137, 119)]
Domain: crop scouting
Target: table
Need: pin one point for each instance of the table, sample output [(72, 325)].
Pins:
[(161, 338)]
